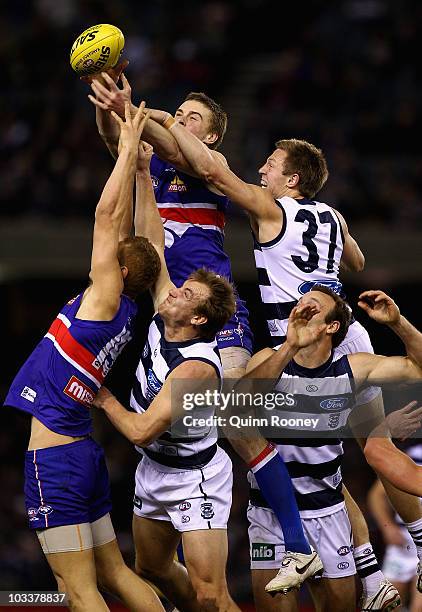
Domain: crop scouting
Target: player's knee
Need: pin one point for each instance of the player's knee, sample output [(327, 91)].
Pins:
[(153, 574), (109, 577)]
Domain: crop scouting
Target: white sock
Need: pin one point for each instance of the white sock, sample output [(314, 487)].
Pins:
[(415, 531), (367, 567)]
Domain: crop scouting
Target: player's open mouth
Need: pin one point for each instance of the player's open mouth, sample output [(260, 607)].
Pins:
[(264, 184)]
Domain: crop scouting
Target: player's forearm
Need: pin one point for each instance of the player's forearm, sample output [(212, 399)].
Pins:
[(412, 339), (164, 143), (147, 218), (394, 465), (273, 366), (108, 130), (130, 424), (117, 190), (195, 152)]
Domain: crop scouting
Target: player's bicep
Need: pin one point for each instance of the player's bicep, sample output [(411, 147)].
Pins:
[(105, 274), (379, 369)]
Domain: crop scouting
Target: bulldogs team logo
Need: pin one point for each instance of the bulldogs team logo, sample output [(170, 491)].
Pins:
[(154, 181), (207, 511)]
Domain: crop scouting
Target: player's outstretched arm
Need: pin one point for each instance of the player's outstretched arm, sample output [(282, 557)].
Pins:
[(352, 258), (381, 308), (107, 127), (109, 97), (393, 465), (167, 407), (299, 335), (210, 167), (148, 221), (101, 300)]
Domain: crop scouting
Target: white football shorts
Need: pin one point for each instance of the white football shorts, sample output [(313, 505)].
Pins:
[(191, 499), (330, 536)]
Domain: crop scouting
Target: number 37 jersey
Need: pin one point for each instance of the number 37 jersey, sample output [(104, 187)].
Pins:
[(306, 252)]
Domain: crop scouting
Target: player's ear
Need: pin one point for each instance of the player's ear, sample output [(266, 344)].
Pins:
[(293, 180), (198, 320), (125, 271), (333, 327), (211, 138)]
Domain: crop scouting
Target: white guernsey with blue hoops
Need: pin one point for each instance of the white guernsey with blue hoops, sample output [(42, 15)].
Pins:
[(186, 480)]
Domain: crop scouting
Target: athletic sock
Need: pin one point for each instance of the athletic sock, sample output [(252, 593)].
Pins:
[(368, 569), (415, 531), (276, 486)]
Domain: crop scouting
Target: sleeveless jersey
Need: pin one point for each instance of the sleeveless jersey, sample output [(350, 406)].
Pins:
[(61, 377), (194, 220), (307, 252), (195, 446), (324, 395)]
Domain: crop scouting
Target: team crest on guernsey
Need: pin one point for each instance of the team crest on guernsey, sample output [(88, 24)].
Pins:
[(177, 185), (154, 181)]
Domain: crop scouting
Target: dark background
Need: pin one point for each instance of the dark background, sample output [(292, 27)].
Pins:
[(344, 75)]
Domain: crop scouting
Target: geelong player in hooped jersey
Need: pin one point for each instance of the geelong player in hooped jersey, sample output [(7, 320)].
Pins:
[(67, 491), (192, 211), (305, 366), (183, 484)]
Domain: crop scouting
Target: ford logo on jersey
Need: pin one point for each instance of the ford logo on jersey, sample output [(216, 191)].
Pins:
[(334, 403), (153, 383), (334, 285)]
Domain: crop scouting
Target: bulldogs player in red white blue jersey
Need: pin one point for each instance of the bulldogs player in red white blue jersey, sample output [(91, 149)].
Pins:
[(307, 355), (67, 490), (192, 211), (183, 485)]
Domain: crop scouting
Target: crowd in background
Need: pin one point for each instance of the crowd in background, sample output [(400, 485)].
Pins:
[(342, 74), (353, 63)]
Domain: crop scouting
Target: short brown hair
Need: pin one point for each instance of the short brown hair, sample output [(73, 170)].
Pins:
[(218, 121), (304, 159), (143, 264), (219, 306), (340, 312)]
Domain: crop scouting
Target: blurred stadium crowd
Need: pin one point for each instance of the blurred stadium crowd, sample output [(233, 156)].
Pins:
[(343, 74), (276, 69)]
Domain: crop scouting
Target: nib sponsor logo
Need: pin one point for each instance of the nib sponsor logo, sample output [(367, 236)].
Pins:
[(79, 392), (263, 552)]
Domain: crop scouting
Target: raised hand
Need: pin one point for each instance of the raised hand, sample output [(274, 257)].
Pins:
[(145, 152), (108, 96), (405, 422), (102, 397), (301, 330), (114, 73), (379, 306), (131, 129)]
